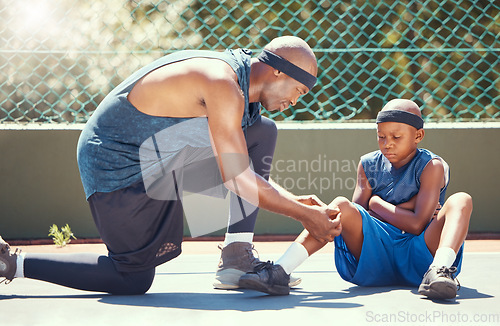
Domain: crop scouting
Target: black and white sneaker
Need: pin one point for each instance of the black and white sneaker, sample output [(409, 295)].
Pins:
[(439, 283), (268, 278)]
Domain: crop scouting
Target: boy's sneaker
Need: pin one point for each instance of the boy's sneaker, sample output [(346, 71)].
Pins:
[(439, 283), (294, 281), (8, 262), (236, 260), (268, 278)]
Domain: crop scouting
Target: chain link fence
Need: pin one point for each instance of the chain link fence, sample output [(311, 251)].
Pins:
[(59, 58)]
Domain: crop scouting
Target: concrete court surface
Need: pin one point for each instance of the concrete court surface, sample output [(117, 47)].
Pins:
[(182, 294)]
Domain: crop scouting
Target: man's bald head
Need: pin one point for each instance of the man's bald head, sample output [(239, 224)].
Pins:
[(295, 50), (403, 105)]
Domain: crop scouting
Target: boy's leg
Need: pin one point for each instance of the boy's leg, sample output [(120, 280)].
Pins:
[(352, 229), (352, 225), (273, 278), (237, 256), (444, 237), (450, 227)]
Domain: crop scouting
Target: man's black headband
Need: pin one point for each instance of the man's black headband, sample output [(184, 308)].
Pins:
[(401, 117), (288, 68)]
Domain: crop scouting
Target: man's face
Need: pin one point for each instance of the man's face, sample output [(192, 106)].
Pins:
[(283, 92)]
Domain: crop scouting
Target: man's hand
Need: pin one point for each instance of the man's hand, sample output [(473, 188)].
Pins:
[(311, 200), (324, 224)]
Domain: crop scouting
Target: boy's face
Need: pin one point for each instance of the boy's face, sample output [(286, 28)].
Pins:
[(398, 142)]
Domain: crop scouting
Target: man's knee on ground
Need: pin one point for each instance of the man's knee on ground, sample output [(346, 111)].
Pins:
[(135, 284)]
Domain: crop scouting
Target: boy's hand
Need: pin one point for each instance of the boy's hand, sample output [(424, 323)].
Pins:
[(436, 212), (373, 200)]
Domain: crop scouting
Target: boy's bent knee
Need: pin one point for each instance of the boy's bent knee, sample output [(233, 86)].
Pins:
[(340, 202), (459, 206), (344, 204), (349, 212), (461, 199)]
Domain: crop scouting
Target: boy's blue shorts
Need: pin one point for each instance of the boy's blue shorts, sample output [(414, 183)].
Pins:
[(388, 256)]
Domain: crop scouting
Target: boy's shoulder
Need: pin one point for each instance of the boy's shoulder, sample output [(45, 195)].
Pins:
[(371, 155), (422, 153), (376, 162), (425, 156)]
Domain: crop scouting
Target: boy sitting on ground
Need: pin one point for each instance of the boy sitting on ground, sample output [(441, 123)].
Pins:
[(398, 230)]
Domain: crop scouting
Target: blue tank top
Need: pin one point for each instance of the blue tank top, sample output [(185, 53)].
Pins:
[(108, 147), (397, 186)]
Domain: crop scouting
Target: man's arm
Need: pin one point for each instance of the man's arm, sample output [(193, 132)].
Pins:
[(426, 201), (225, 105), (304, 199)]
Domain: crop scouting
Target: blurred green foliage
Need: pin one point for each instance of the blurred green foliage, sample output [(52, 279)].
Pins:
[(59, 58), (61, 237)]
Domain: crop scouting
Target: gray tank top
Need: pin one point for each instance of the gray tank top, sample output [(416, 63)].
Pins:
[(109, 146)]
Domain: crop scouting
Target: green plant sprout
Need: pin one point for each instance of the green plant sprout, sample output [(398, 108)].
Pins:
[(62, 237)]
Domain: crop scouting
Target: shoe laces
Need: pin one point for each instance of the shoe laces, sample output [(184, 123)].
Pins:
[(263, 265), (254, 258), (448, 272), (249, 250)]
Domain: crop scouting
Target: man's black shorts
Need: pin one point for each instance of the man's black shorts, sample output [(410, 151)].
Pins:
[(139, 232)]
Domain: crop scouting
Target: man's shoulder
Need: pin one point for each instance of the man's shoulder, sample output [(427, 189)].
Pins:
[(217, 70)]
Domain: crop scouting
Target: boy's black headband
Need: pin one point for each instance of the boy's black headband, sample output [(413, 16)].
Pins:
[(401, 117), (288, 68)]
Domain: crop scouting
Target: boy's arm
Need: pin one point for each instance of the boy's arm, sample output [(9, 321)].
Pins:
[(427, 199), (363, 191)]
